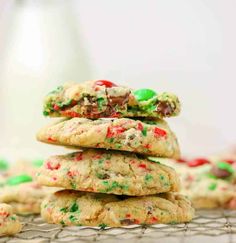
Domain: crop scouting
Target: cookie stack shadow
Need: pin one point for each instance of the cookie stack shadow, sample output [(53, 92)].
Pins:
[(112, 180)]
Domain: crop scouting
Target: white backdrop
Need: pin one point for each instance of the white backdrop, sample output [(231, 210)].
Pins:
[(184, 46)]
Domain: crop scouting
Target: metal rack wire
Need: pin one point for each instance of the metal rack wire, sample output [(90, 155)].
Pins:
[(218, 226)]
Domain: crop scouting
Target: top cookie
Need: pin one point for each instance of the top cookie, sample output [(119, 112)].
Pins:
[(97, 99)]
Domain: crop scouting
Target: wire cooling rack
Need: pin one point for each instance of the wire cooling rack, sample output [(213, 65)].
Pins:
[(218, 226)]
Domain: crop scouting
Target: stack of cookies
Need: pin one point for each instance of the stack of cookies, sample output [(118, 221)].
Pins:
[(110, 180)]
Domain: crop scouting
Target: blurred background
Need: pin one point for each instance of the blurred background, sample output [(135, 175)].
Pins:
[(185, 46)]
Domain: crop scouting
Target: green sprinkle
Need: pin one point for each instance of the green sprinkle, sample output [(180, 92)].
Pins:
[(57, 90), (73, 185), (37, 162), (173, 222), (100, 161), (64, 210), (148, 177), (72, 218), (225, 166), (15, 180), (45, 113), (13, 218), (3, 164), (144, 131), (153, 159), (162, 177), (74, 208), (118, 146), (105, 183), (212, 186), (102, 226), (62, 222), (144, 94), (110, 140)]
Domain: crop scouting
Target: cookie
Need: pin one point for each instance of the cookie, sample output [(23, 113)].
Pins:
[(109, 172), (23, 194), (69, 207), (9, 223), (98, 99), (146, 137), (207, 183)]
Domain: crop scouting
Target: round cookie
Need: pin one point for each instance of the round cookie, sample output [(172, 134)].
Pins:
[(97, 99), (69, 207), (9, 223), (146, 137), (23, 194), (109, 172), (207, 183)]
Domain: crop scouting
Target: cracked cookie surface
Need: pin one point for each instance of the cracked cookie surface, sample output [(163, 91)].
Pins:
[(150, 137), (109, 172)]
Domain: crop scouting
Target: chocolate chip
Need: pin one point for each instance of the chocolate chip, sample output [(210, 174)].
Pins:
[(127, 221), (220, 173), (164, 108)]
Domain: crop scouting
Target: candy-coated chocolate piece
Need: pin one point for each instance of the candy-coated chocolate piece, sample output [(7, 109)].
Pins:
[(144, 94), (198, 162), (15, 180), (106, 83)]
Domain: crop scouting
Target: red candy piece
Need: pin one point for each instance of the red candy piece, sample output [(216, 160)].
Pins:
[(113, 131), (159, 132), (197, 162), (55, 167), (229, 161), (106, 83)]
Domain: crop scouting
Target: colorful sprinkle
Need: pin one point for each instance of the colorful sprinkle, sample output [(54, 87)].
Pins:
[(113, 131), (212, 186), (148, 177), (159, 132), (52, 167)]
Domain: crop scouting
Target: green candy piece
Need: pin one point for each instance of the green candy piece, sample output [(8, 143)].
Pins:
[(212, 186), (37, 162), (144, 94), (3, 164), (15, 180), (225, 166)]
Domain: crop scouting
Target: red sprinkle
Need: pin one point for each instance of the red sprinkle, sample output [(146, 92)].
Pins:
[(79, 156), (70, 113), (55, 167), (140, 126), (143, 166), (136, 221), (106, 83), (113, 131), (128, 215), (56, 107), (147, 146), (197, 162), (159, 132), (50, 139), (154, 219)]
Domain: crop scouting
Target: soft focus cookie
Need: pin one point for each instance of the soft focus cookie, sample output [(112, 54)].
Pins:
[(9, 223)]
